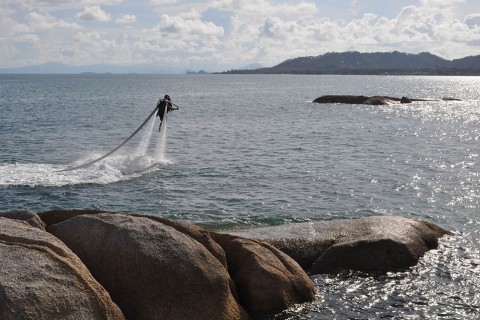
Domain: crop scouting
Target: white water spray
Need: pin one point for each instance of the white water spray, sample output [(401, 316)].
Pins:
[(113, 168), (159, 155), (147, 137), (118, 167)]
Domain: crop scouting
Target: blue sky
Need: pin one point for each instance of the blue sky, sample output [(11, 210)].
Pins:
[(217, 35)]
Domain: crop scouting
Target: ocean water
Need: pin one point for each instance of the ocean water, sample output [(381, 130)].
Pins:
[(252, 150)]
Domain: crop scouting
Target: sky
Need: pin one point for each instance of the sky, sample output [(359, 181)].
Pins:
[(218, 35)]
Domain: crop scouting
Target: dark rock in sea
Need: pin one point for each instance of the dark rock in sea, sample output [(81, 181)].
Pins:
[(375, 100), (267, 280), (150, 269), (451, 99), (381, 100), (372, 244), (42, 279), (341, 99)]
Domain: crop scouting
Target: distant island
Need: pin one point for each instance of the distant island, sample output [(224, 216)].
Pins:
[(199, 72), (375, 63)]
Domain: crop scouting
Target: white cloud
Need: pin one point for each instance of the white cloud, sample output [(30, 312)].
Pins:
[(127, 18), (87, 37), (412, 30), (265, 8), (353, 7), (46, 21), (228, 33), (181, 26), (277, 28), (473, 20), (161, 2), (440, 3), (93, 13), (9, 26)]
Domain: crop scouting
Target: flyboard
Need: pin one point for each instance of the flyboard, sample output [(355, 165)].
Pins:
[(85, 165)]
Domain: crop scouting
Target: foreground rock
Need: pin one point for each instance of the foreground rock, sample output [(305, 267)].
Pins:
[(267, 279), (151, 270), (42, 279), (155, 268), (374, 100), (24, 215), (280, 281), (373, 244)]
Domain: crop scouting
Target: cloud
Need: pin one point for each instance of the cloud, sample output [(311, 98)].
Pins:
[(473, 20), (87, 37), (181, 26), (93, 13), (353, 7), (127, 18), (9, 27), (46, 21), (161, 2), (412, 30), (229, 33), (265, 8), (440, 3), (277, 28)]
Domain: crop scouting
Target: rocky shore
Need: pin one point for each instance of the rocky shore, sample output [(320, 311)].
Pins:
[(90, 264)]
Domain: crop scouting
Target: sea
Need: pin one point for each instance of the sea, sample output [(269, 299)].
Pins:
[(245, 151)]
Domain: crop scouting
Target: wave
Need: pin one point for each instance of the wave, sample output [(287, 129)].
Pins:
[(111, 170)]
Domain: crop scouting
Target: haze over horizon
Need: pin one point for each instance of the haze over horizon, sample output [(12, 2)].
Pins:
[(218, 35)]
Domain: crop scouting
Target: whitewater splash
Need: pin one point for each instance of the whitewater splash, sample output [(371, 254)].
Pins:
[(118, 167)]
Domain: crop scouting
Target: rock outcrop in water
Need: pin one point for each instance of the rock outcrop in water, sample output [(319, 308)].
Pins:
[(372, 244), (152, 268), (374, 100)]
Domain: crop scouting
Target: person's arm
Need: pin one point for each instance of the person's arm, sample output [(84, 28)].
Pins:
[(171, 107)]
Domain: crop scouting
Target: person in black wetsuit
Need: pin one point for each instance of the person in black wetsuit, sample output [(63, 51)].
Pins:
[(164, 105)]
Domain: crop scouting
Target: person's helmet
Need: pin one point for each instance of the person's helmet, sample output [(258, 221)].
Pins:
[(167, 97)]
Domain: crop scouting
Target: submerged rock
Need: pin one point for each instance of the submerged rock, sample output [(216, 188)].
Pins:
[(42, 279), (372, 244)]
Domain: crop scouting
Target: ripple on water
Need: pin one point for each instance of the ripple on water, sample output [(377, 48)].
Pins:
[(442, 286)]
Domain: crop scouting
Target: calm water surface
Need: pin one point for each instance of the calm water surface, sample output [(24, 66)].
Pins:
[(253, 150)]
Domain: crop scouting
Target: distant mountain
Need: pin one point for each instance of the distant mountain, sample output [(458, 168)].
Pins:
[(467, 62), (354, 62)]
